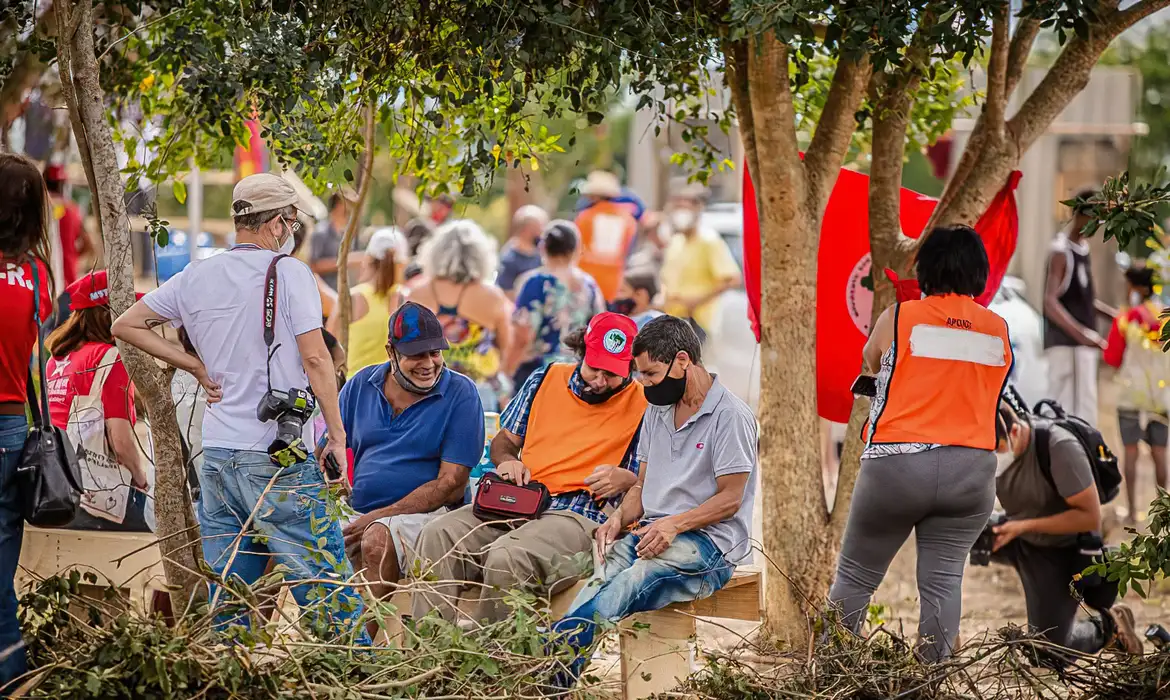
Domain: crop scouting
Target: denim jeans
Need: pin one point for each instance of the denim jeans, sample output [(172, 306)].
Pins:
[(290, 523), (13, 664), (692, 567)]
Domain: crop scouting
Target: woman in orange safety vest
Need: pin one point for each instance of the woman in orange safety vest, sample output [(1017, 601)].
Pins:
[(929, 463)]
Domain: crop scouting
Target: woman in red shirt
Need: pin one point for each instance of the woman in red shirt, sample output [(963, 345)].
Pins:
[(26, 297), (83, 352)]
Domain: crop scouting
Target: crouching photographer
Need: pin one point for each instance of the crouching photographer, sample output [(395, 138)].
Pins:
[(253, 316), (1050, 531)]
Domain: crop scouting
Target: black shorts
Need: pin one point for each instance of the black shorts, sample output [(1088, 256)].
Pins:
[(1154, 433)]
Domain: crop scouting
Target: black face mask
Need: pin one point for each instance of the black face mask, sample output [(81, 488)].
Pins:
[(669, 390), (406, 383), (592, 398), (624, 306)]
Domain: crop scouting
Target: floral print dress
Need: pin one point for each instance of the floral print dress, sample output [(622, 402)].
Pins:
[(553, 311)]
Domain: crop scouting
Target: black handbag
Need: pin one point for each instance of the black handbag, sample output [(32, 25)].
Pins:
[(48, 476)]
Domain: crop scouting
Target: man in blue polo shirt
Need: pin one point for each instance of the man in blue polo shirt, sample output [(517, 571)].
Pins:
[(416, 430)]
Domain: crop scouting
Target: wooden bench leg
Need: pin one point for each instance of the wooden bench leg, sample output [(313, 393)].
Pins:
[(655, 660)]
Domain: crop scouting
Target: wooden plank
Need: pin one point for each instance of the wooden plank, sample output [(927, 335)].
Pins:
[(48, 552), (655, 660), (739, 602)]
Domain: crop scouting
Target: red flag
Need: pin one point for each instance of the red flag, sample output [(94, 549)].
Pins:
[(845, 279), (253, 157)]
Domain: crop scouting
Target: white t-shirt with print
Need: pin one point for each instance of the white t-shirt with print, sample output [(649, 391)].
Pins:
[(219, 301)]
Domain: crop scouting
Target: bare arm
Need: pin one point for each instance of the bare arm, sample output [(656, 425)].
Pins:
[(324, 266), (521, 341), (724, 504), (1105, 309), (879, 342), (1054, 311), (503, 326), (1083, 515), (136, 327), (631, 509), (505, 447), (656, 537), (124, 443), (444, 489), (319, 367)]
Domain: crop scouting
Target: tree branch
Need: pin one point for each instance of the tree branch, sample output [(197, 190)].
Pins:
[(737, 68), (771, 95), (995, 108), (1135, 13), (835, 129), (80, 80), (891, 118), (1021, 48), (344, 300), (1070, 73)]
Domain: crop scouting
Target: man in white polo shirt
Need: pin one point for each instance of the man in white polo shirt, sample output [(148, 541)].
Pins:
[(693, 501)]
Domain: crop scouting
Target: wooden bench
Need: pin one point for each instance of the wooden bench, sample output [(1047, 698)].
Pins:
[(655, 647), (139, 573), (656, 659)]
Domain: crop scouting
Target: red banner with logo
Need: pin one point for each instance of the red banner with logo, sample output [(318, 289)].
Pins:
[(845, 279)]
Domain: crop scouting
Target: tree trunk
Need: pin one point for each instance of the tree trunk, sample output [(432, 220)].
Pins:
[(798, 542), (791, 484), (176, 526), (344, 301)]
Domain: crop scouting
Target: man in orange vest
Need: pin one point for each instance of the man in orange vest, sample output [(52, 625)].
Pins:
[(607, 230), (573, 428)]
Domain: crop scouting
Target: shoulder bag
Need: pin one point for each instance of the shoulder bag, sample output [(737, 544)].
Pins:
[(48, 475)]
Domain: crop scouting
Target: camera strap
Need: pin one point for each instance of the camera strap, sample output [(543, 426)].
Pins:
[(269, 311)]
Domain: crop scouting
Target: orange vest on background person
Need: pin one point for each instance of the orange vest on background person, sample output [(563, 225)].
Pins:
[(607, 230), (952, 361), (567, 438)]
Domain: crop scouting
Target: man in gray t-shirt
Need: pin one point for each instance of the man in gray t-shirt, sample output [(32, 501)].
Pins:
[(692, 505), (1048, 511)]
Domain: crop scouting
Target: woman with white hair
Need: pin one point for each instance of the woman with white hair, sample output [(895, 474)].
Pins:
[(373, 299), (458, 262)]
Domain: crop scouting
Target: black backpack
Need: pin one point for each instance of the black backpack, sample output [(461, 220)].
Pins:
[(1106, 473)]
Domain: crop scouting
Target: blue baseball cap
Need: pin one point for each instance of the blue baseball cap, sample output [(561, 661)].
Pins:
[(415, 330)]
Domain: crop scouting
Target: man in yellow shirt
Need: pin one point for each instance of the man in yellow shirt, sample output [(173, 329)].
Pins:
[(698, 266)]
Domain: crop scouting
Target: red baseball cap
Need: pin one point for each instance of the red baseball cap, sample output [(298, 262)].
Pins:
[(609, 343), (90, 291)]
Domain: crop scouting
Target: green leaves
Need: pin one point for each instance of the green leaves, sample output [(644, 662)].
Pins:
[(1145, 558), (1123, 209)]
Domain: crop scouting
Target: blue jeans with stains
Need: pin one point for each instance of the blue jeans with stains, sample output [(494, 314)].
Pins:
[(289, 523), (692, 567), (13, 663)]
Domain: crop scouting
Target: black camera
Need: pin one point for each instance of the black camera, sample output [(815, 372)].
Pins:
[(981, 550), (290, 409)]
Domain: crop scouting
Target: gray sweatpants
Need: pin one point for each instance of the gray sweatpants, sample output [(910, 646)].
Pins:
[(944, 496)]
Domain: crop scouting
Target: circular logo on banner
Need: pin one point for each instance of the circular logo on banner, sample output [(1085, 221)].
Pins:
[(859, 294), (614, 341)]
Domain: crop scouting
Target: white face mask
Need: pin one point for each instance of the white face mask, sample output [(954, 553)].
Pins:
[(290, 241), (1135, 299), (682, 220), (1003, 461)]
